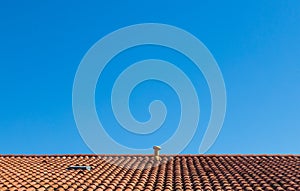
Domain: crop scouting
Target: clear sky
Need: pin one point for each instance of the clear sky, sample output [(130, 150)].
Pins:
[(256, 45)]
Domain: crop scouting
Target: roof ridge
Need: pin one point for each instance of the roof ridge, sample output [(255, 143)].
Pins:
[(137, 155)]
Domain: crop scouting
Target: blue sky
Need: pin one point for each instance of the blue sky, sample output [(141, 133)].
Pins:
[(256, 45)]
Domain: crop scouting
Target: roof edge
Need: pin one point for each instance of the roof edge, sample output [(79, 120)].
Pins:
[(138, 155)]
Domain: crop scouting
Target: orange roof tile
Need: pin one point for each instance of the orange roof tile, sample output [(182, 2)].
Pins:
[(143, 172)]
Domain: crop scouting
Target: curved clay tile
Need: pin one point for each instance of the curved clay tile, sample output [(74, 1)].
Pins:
[(143, 172)]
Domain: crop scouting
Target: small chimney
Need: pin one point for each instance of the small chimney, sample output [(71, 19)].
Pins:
[(156, 152)]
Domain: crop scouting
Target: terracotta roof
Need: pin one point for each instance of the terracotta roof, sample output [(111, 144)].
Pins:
[(143, 172)]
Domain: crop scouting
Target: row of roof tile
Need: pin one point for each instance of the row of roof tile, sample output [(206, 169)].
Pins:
[(143, 172)]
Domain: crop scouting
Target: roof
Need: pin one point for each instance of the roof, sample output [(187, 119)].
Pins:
[(143, 172)]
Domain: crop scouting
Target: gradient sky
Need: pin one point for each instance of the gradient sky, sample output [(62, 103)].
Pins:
[(256, 44)]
